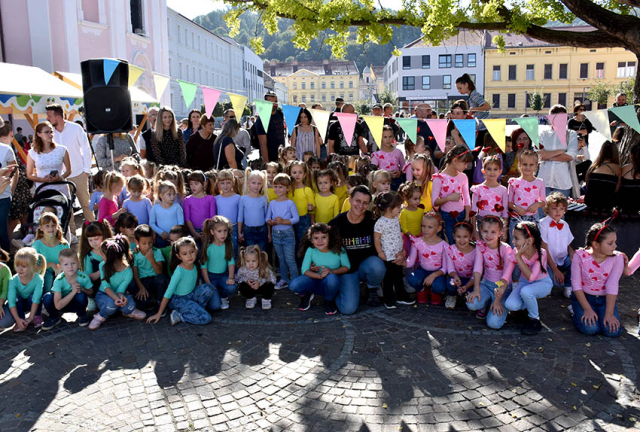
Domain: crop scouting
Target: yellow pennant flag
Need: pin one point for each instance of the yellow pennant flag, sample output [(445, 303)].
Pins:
[(375, 124), (321, 119), (496, 128), (238, 102), (161, 82), (134, 74)]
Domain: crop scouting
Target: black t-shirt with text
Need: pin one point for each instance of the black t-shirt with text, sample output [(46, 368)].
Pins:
[(357, 239)]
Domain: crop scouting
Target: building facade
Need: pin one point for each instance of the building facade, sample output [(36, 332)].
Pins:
[(562, 74), (426, 73), (371, 84), (276, 87), (253, 75), (317, 81)]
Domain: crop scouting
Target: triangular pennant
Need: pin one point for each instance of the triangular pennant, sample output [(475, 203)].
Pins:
[(188, 91), (628, 115), (496, 128), (530, 126), (439, 130), (264, 112), (410, 127), (600, 121), (321, 119), (161, 82), (559, 125), (109, 66), (134, 74), (348, 125), (467, 129), (210, 97), (291, 114), (238, 102), (376, 125)]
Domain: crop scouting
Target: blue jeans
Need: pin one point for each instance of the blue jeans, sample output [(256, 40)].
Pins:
[(565, 192), (599, 306), (301, 229), (24, 305), (327, 287), (49, 276), (463, 282), (234, 239), (108, 306), (439, 286), (256, 236), (5, 206), (77, 305), (219, 281), (284, 242), (155, 286), (192, 306), (371, 271), (487, 296), (396, 182), (565, 268), (525, 295), (449, 223)]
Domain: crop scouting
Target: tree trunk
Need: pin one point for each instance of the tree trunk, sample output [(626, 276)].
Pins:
[(630, 136)]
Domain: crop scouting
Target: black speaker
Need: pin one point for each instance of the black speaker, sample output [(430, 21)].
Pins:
[(107, 106)]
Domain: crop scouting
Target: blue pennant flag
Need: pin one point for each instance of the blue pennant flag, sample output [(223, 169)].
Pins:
[(109, 66), (467, 129), (290, 116)]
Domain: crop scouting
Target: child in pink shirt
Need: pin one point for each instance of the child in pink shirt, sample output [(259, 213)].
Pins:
[(490, 197), (526, 193), (461, 258), (595, 274), (389, 158), (108, 205)]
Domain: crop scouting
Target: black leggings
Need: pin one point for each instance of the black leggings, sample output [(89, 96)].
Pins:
[(392, 284), (265, 290)]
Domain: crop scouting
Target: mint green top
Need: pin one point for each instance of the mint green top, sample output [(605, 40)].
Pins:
[(329, 259), (88, 267), (5, 277), (215, 259), (62, 285), (119, 281), (145, 269), (166, 253), (49, 253), (34, 287), (182, 282)]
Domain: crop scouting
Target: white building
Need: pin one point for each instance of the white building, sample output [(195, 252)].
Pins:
[(253, 75), (425, 73), (279, 88)]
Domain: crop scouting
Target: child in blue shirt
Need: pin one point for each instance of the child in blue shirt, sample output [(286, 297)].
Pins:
[(26, 288), (149, 280), (166, 213), (217, 258), (227, 203)]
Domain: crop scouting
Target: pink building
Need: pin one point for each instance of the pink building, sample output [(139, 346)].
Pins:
[(56, 35)]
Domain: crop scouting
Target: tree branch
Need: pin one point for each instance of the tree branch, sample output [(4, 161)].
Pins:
[(603, 19)]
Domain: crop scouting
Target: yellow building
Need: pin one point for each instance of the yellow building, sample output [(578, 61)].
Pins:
[(563, 74), (316, 81)]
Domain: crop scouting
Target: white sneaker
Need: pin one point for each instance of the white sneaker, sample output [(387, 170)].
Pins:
[(266, 304), (91, 305), (281, 284), (408, 288), (251, 303), (450, 302), (225, 303), (175, 317), (570, 309), (567, 292)]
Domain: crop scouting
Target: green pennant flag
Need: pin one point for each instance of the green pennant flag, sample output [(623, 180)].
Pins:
[(530, 126), (628, 115), (264, 112), (188, 92), (410, 127)]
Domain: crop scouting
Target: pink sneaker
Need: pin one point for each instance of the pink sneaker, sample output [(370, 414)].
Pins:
[(137, 314), (38, 321), (96, 322)]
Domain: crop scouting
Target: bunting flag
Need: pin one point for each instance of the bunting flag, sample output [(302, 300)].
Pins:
[(188, 91), (238, 102), (559, 125), (375, 124), (467, 129), (439, 131), (134, 74), (109, 66), (628, 115), (321, 119), (291, 114), (530, 126), (496, 128), (264, 112), (409, 126), (210, 97), (161, 82), (600, 121), (348, 125)]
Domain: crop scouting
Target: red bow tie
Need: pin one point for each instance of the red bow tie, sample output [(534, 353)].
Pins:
[(557, 225)]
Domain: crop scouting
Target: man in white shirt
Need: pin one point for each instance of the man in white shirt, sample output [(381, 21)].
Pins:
[(74, 138), (555, 159)]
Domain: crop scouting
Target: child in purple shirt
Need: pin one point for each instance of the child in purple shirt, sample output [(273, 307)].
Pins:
[(198, 206)]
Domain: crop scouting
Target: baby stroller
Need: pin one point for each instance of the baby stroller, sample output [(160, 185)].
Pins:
[(50, 198)]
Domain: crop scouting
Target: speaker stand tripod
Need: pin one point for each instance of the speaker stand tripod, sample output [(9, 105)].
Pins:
[(111, 149)]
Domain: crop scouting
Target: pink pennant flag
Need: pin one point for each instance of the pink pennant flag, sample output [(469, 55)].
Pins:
[(559, 125), (439, 130), (211, 97), (348, 124)]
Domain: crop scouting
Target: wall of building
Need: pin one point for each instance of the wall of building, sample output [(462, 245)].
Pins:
[(308, 87), (253, 75)]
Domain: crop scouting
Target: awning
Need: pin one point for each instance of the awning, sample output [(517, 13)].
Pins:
[(75, 80)]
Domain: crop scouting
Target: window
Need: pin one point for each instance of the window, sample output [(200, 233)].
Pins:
[(426, 62), (444, 61), (186, 71), (548, 71), (333, 97), (406, 62), (527, 100), (324, 85), (313, 98), (295, 98), (186, 37), (199, 49), (312, 85), (179, 37), (350, 84), (180, 70), (295, 86), (324, 98), (584, 70), (496, 73), (547, 100), (512, 72), (599, 70), (426, 82), (511, 100), (562, 99), (471, 60), (341, 84), (304, 86), (563, 71), (304, 98), (473, 77), (530, 73), (193, 40), (626, 69), (459, 60), (446, 81), (408, 83), (137, 17), (496, 101), (333, 84), (350, 96)]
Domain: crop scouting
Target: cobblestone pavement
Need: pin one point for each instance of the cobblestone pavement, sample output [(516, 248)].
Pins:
[(411, 369)]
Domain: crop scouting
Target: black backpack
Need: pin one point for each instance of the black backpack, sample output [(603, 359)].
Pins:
[(255, 142)]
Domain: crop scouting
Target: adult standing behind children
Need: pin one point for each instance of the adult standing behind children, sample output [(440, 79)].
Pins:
[(273, 138)]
